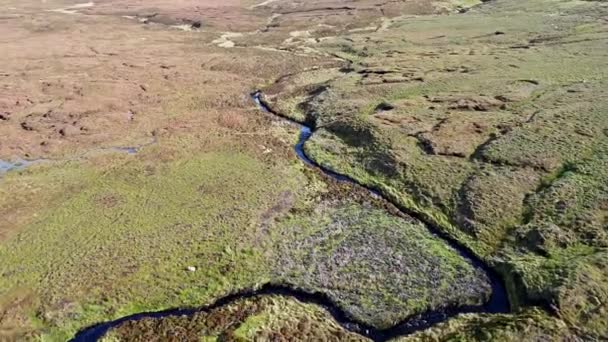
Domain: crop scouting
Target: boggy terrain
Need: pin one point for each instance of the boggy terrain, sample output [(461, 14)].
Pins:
[(137, 174), (492, 125)]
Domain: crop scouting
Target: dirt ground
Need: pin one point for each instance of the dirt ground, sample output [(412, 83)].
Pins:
[(81, 75)]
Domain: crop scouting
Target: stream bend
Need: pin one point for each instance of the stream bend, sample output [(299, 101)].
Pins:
[(498, 302)]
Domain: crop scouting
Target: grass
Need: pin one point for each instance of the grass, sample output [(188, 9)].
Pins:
[(490, 110), (119, 238), (258, 318), (491, 127), (338, 248), (122, 243), (528, 325)]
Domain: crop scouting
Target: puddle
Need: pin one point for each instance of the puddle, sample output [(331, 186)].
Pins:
[(83, 5), (20, 164), (73, 9), (16, 165)]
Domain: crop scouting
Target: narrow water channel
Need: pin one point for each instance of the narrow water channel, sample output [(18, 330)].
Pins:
[(498, 302)]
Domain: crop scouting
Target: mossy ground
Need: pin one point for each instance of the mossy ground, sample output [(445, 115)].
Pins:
[(153, 231), (380, 268), (492, 125), (268, 318), (123, 242), (530, 325)]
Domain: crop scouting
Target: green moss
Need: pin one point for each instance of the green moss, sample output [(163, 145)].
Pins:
[(528, 325), (259, 318), (249, 327), (495, 134), (123, 242), (337, 248)]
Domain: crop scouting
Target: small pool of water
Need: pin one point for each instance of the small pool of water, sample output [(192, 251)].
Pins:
[(15, 165)]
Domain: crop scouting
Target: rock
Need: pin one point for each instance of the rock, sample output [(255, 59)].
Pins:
[(25, 126), (69, 130)]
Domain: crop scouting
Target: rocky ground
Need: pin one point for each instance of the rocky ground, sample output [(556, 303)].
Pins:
[(136, 173)]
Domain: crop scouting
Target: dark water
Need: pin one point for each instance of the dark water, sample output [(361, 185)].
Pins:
[(498, 302), (96, 332)]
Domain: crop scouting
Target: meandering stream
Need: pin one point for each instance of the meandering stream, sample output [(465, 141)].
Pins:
[(498, 302)]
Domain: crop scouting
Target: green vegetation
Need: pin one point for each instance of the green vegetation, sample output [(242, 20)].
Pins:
[(267, 318), (380, 268), (335, 246), (123, 242), (491, 125), (118, 239), (530, 325)]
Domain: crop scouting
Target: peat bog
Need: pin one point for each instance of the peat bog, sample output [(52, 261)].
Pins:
[(407, 171)]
